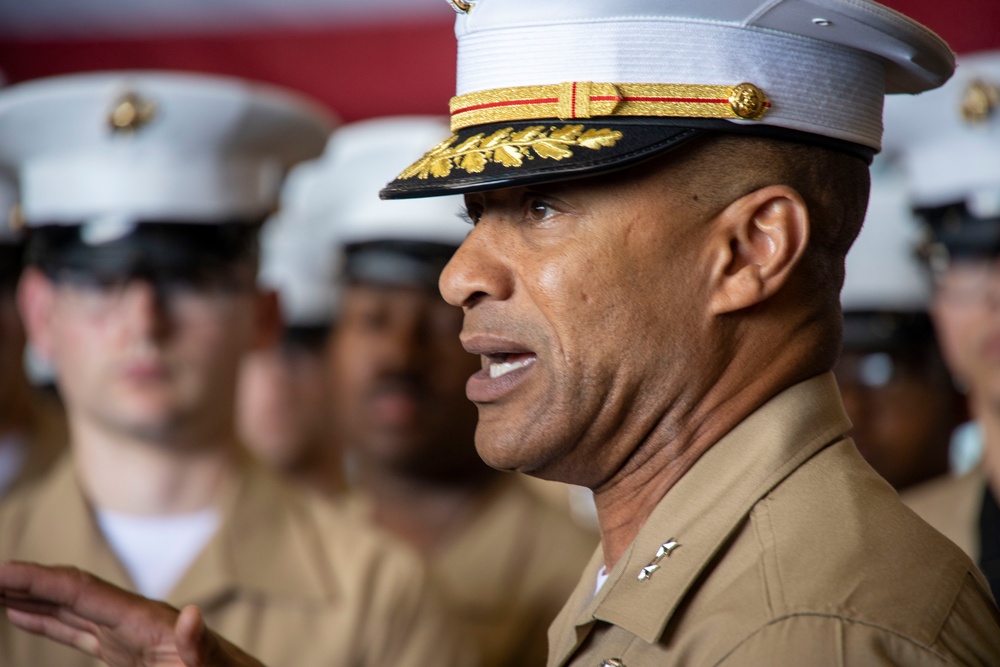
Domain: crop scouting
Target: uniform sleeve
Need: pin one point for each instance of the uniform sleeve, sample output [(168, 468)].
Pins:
[(834, 641)]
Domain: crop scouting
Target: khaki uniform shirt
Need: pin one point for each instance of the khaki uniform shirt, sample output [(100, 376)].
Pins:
[(289, 578), (790, 550), (507, 574), (45, 442), (952, 504)]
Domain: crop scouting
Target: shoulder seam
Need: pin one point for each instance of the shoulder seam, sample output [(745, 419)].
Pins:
[(841, 619)]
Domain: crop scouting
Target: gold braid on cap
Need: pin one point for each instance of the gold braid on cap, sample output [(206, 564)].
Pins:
[(508, 148), (585, 99), (571, 100)]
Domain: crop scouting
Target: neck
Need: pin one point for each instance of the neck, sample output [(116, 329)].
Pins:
[(667, 448), (130, 475), (424, 513), (321, 470)]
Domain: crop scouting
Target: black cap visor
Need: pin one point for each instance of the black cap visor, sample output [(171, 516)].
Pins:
[(187, 252), (396, 263), (962, 235), (11, 260), (502, 155)]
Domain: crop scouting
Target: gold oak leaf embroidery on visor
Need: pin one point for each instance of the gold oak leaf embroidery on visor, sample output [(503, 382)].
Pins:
[(508, 148)]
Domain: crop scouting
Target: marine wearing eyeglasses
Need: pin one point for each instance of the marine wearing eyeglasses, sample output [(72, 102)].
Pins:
[(144, 194), (896, 387), (949, 148)]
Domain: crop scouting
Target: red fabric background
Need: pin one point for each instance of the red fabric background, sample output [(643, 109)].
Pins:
[(364, 71)]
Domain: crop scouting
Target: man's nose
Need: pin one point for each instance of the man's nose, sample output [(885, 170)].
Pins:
[(144, 309), (478, 270)]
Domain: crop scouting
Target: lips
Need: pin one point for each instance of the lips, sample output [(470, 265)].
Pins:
[(506, 366), (395, 402), (145, 371)]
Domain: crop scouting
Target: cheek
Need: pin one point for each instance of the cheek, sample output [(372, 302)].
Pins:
[(349, 366), (957, 333), (75, 345), (216, 339), (572, 295)]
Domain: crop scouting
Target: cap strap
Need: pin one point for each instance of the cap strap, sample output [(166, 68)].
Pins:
[(585, 99)]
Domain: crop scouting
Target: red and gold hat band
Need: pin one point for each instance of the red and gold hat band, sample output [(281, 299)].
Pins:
[(585, 99)]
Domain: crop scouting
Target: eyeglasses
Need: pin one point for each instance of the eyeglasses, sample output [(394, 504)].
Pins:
[(95, 296), (970, 287)]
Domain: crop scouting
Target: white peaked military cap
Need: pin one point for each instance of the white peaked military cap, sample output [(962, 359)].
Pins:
[(883, 271), (362, 156), (949, 139), (332, 203), (300, 264), (161, 146), (555, 90), (391, 242)]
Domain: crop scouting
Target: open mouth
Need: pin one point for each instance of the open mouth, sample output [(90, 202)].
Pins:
[(501, 363), (506, 366)]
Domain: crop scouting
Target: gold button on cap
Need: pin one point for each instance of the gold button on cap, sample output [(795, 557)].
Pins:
[(15, 218), (979, 102), (748, 101), (131, 113), (460, 6)]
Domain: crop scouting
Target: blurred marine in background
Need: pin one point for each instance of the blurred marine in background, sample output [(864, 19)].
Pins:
[(896, 387), (144, 194), (950, 147), (505, 557)]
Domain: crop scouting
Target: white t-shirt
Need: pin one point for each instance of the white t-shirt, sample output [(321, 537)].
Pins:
[(156, 551), (602, 576), (13, 453)]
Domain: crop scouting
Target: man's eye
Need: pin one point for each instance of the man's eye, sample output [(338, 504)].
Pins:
[(538, 210)]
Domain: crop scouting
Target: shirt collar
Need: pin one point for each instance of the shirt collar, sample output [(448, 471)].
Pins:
[(708, 504)]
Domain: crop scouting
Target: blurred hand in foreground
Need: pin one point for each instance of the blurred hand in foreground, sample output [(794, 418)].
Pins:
[(75, 608)]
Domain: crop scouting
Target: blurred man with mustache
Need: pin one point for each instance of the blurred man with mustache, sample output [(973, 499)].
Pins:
[(399, 374)]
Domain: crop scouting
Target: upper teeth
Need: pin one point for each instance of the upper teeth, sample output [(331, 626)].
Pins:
[(504, 367)]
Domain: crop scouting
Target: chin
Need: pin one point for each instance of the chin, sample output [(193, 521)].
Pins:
[(511, 450)]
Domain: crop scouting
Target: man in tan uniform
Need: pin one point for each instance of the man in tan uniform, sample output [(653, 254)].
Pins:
[(896, 387), (949, 146), (398, 397), (662, 197), (144, 194), (32, 428)]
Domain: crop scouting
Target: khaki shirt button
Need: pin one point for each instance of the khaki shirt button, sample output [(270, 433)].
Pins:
[(612, 662)]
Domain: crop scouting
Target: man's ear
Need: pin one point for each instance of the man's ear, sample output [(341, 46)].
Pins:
[(35, 302), (269, 322), (757, 242)]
